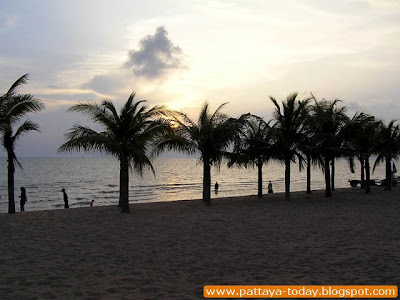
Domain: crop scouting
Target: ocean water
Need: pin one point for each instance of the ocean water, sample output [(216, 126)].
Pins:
[(176, 179)]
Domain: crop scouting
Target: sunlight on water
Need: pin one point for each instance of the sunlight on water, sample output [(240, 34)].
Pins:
[(176, 179)]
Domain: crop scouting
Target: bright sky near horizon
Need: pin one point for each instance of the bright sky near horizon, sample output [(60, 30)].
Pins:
[(181, 53)]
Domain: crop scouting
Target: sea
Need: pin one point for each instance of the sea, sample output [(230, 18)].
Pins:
[(97, 178)]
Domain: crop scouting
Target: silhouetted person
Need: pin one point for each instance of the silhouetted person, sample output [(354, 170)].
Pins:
[(65, 198), (91, 203), (216, 186), (270, 191), (24, 198)]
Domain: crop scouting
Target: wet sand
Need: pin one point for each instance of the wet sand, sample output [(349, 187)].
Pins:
[(171, 250)]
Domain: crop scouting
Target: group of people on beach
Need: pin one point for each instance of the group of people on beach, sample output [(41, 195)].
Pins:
[(24, 198)]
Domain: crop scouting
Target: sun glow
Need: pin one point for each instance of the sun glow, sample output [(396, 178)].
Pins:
[(173, 124)]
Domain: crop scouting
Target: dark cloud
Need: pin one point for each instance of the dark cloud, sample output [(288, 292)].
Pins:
[(156, 56)]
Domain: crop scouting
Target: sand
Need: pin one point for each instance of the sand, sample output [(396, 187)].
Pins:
[(171, 250)]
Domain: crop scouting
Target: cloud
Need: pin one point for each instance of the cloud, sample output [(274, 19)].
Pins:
[(155, 59), (105, 84), (157, 55)]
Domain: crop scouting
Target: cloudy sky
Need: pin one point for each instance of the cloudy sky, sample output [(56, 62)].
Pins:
[(181, 53)]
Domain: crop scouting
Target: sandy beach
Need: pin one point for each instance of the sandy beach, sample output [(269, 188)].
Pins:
[(171, 250)]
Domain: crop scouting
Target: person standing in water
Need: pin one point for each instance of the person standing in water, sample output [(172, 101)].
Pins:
[(24, 198), (270, 191), (65, 198)]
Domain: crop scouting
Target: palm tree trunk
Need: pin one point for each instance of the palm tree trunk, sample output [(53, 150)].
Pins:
[(287, 179), (388, 174), (207, 182), (328, 192), (333, 175), (259, 166), (308, 174), (124, 185), (362, 172), (11, 170), (367, 176)]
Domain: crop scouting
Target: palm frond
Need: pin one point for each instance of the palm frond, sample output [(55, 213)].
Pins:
[(217, 114), (20, 81), (18, 106), (87, 139), (26, 127), (101, 114)]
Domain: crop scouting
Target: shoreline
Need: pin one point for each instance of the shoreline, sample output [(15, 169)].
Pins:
[(176, 179), (172, 249), (295, 196)]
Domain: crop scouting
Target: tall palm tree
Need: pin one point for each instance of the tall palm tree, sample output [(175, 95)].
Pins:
[(363, 132), (330, 121), (289, 128), (210, 136), (308, 147), (126, 135), (253, 146), (388, 148), (13, 107)]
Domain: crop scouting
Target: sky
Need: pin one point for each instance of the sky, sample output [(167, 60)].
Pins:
[(181, 53)]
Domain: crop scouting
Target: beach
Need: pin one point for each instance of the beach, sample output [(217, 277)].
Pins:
[(170, 250)]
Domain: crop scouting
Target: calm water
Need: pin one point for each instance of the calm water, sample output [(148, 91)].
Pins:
[(176, 178)]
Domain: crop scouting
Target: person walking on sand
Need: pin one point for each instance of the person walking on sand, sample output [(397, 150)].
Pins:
[(270, 191), (216, 186), (65, 198), (24, 199), (91, 203)]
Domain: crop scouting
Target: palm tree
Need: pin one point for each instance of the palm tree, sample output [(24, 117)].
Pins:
[(289, 129), (362, 139), (308, 147), (388, 148), (253, 146), (211, 136), (13, 107), (330, 122), (127, 135)]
